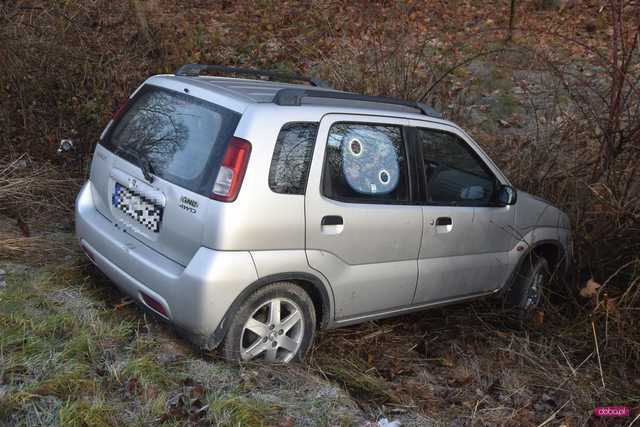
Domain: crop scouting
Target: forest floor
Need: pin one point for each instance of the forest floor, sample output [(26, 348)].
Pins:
[(74, 351)]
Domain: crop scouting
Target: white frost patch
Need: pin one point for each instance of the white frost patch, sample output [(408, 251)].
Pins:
[(383, 422)]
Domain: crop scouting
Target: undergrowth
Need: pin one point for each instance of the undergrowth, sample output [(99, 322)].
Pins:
[(556, 107)]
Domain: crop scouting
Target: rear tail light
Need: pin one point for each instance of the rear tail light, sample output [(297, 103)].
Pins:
[(232, 170)]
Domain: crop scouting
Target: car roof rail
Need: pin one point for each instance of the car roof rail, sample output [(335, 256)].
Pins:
[(194, 70), (293, 97)]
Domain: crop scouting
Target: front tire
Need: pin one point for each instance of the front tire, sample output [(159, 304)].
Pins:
[(276, 323), (527, 292)]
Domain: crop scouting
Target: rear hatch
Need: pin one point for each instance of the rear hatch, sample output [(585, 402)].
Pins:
[(155, 167)]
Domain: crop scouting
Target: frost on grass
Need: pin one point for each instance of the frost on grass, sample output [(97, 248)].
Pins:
[(70, 357)]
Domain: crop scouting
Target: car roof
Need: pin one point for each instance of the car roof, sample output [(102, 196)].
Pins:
[(261, 91), (255, 91)]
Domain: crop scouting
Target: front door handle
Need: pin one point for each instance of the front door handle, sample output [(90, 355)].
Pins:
[(331, 224), (444, 220)]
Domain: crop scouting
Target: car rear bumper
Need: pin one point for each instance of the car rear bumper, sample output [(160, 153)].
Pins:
[(195, 298)]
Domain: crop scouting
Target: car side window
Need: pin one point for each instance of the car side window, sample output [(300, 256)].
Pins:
[(454, 173), (366, 163), (292, 158)]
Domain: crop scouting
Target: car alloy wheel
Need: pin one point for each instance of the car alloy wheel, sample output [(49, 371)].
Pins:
[(273, 332)]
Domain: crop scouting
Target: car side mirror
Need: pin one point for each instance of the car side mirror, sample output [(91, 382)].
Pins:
[(506, 195)]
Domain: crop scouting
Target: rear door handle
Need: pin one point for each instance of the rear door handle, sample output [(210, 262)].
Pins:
[(332, 220), (331, 224), (444, 224), (444, 220)]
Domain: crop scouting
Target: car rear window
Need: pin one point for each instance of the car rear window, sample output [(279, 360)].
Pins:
[(183, 137)]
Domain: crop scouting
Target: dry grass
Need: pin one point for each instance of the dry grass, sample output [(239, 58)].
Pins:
[(36, 190), (468, 365), (67, 64), (43, 248)]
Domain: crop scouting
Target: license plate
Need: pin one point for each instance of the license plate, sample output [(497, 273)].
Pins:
[(138, 207)]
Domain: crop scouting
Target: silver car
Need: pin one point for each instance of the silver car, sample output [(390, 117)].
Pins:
[(250, 213)]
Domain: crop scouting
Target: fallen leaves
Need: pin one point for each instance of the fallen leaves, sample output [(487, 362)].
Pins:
[(503, 123), (123, 303), (188, 403), (590, 289)]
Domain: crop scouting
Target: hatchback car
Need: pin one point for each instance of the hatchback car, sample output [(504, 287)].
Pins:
[(250, 213)]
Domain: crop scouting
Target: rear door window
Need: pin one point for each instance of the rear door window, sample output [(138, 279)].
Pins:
[(184, 138), (366, 163)]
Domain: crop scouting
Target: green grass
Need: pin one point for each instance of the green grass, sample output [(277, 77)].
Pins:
[(238, 411), (69, 357), (83, 413), (81, 352)]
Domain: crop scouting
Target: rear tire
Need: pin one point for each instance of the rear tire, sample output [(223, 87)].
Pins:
[(276, 323), (527, 292)]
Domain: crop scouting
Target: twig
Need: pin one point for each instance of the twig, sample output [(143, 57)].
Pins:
[(573, 371), (595, 340), (552, 416)]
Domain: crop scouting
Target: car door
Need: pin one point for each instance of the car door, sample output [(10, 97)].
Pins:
[(362, 231), (467, 236)]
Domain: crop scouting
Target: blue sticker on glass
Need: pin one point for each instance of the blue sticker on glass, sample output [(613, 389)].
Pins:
[(369, 161)]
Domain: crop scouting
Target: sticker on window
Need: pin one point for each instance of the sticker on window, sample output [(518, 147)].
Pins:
[(369, 161)]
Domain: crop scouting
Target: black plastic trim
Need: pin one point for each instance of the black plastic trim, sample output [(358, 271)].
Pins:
[(293, 97), (512, 277), (194, 70), (218, 335)]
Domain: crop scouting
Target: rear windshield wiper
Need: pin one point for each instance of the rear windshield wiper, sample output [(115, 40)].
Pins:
[(143, 161), (145, 165)]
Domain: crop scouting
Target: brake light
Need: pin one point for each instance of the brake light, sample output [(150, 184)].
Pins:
[(232, 170)]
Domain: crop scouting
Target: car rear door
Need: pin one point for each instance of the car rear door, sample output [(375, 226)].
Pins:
[(362, 232), (467, 236), (183, 138)]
